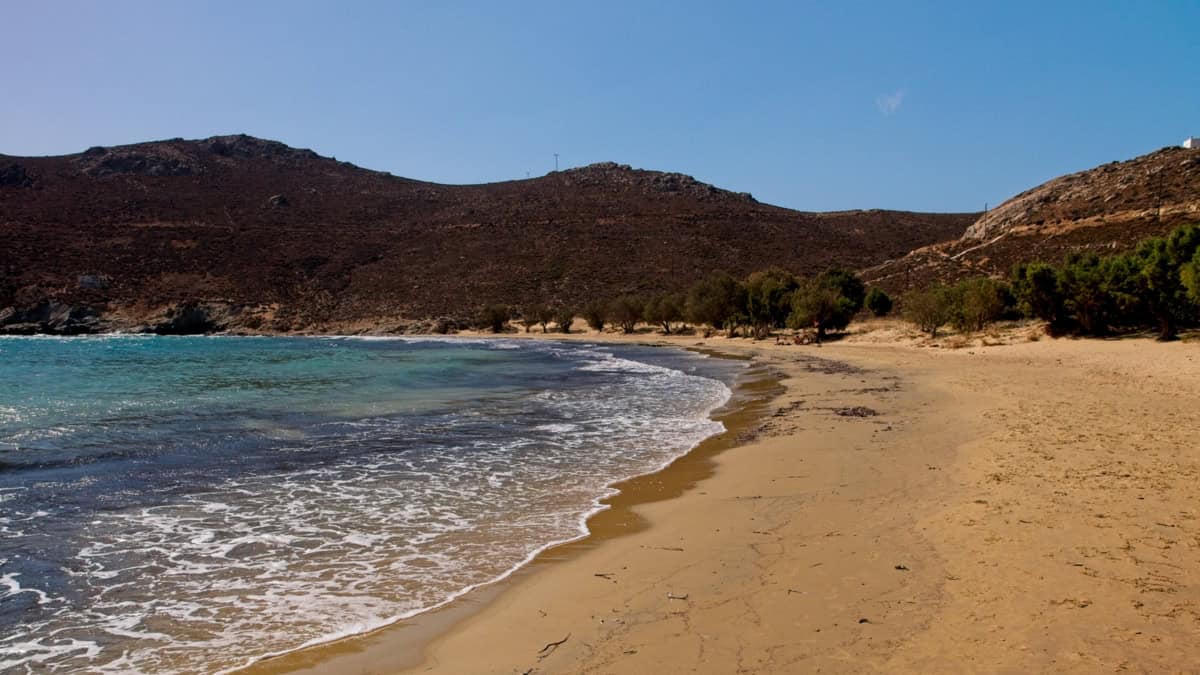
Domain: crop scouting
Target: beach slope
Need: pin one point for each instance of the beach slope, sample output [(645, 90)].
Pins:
[(1021, 508)]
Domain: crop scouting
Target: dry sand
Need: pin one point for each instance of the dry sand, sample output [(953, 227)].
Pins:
[(1027, 507)]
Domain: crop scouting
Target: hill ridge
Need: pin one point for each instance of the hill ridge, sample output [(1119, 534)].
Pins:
[(1106, 208), (295, 241)]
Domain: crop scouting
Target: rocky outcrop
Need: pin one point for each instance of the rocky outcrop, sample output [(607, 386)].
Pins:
[(162, 160), (50, 318), (197, 318), (611, 174), (249, 147), (1165, 180)]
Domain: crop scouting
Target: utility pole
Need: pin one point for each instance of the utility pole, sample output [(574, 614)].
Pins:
[(1158, 195), (556, 161)]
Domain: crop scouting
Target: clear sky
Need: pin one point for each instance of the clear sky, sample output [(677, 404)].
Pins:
[(816, 106)]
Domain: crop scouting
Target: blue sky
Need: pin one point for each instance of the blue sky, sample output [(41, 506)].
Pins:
[(815, 106)]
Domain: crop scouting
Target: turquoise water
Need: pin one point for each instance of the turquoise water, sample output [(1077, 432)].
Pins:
[(176, 504)]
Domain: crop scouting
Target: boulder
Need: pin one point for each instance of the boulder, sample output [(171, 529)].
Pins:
[(20, 329), (94, 281)]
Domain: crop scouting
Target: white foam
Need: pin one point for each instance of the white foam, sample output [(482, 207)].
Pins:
[(11, 587), (282, 561), (557, 428)]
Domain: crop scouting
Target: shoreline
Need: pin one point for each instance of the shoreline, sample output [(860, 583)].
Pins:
[(401, 644), (1006, 503), (999, 502), (605, 614)]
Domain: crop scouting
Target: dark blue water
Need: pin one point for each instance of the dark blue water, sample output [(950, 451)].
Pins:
[(174, 504)]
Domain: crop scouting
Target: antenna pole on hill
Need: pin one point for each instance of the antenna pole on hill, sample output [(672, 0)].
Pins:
[(556, 161)]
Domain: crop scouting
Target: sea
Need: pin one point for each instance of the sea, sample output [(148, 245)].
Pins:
[(195, 504)]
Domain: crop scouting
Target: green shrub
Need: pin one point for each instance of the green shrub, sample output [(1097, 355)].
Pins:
[(626, 311), (564, 317), (975, 303), (596, 315), (827, 302), (717, 300), (664, 309), (847, 284), (769, 299), (1190, 276), (878, 302), (493, 317), (1038, 295), (929, 309), (537, 314), (1092, 292), (1158, 276)]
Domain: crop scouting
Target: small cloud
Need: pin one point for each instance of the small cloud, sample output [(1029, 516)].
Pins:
[(890, 103)]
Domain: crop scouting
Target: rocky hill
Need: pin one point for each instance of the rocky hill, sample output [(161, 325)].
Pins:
[(1108, 208), (239, 232)]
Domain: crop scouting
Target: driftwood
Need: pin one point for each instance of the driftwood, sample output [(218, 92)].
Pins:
[(551, 647)]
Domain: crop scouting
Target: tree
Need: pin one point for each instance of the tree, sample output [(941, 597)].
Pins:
[(1157, 275), (879, 302), (974, 303), (929, 309), (664, 309), (596, 315), (626, 311), (537, 314), (545, 316), (717, 300), (827, 302), (1191, 278), (1039, 295), (1088, 292), (769, 299), (564, 317), (848, 285), (494, 317)]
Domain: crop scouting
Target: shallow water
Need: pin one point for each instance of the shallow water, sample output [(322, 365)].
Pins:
[(175, 504)]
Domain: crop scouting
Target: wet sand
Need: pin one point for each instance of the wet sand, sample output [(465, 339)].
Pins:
[(401, 645), (1025, 507)]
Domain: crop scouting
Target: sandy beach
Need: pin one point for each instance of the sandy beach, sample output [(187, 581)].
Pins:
[(880, 506)]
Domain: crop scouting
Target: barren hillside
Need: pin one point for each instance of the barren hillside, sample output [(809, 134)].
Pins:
[(260, 235), (1108, 208)]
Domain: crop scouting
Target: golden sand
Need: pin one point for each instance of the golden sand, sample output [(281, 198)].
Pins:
[(1024, 507)]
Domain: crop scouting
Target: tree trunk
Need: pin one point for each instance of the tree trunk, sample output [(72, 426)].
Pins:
[(1166, 328)]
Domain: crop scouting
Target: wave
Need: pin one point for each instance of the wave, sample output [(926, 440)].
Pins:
[(374, 520)]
